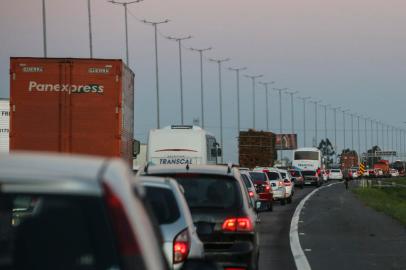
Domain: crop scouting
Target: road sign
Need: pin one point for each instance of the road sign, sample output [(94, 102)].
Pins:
[(361, 169)]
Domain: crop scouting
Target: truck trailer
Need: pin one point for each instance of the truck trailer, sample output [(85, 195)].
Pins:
[(72, 105)]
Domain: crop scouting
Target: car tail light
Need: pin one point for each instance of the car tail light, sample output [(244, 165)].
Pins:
[(287, 184), (237, 225), (280, 183), (181, 246), (251, 194), (267, 188), (127, 243)]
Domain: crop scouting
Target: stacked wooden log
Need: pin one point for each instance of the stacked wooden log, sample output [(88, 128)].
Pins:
[(256, 148)]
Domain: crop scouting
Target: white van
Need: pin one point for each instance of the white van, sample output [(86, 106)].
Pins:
[(182, 145)]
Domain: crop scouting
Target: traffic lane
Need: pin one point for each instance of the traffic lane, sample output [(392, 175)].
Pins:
[(341, 233), (274, 230)]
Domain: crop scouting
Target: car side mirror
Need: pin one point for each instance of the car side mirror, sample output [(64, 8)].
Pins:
[(136, 148), (200, 264)]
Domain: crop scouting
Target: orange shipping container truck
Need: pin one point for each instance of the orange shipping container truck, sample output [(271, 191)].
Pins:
[(82, 106)]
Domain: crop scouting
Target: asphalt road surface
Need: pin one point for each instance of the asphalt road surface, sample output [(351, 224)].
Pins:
[(274, 234), (341, 233), (336, 232)]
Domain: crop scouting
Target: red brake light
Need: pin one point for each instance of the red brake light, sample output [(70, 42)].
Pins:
[(181, 247), (267, 188), (237, 224), (287, 184), (127, 243), (251, 194)]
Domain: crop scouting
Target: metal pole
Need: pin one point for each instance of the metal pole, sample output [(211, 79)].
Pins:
[(304, 119), (366, 135), (265, 84), (219, 62), (90, 29), (372, 133), (44, 28), (344, 111), (292, 109), (280, 114), (179, 41), (335, 127), (325, 122), (200, 51), (316, 103), (253, 78), (377, 132), (237, 73), (124, 4), (155, 25), (359, 136), (352, 131)]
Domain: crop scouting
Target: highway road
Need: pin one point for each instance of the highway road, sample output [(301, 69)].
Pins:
[(336, 231)]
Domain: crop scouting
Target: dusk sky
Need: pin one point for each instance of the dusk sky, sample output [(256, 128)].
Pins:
[(348, 53)]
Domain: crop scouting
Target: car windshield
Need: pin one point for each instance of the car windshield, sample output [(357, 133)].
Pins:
[(273, 175), (163, 204), (210, 191), (295, 173), (258, 176), (309, 173), (306, 155), (52, 232)]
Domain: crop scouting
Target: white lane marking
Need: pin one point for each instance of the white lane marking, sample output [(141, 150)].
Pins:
[(298, 255)]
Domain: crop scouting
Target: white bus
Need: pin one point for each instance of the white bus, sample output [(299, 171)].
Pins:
[(182, 145), (307, 159)]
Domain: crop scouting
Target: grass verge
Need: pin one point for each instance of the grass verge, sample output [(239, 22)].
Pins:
[(391, 201)]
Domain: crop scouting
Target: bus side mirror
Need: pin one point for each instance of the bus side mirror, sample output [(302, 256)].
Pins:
[(219, 152), (136, 148)]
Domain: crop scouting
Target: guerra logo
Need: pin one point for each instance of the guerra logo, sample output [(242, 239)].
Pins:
[(70, 88)]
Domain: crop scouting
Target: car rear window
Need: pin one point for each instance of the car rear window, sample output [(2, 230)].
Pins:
[(309, 173), (247, 182), (210, 191), (295, 173), (273, 175), (55, 232), (163, 204), (258, 176), (335, 171), (283, 175)]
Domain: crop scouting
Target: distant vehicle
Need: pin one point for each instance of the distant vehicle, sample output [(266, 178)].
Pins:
[(366, 173), (383, 165), (325, 174), (4, 125), (336, 174), (224, 218), (307, 159), (348, 160), (173, 216), (70, 212), (312, 177), (297, 177), (263, 188), (353, 172), (179, 144), (277, 184), (249, 184), (394, 172), (76, 106), (289, 185)]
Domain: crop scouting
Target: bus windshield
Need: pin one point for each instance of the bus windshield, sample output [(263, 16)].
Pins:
[(306, 155)]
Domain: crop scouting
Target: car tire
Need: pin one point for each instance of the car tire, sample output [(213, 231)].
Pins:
[(289, 200), (270, 208)]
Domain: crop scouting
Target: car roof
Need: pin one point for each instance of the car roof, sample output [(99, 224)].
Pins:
[(201, 169), (53, 172)]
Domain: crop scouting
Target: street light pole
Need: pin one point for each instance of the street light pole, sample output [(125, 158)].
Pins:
[(366, 135), (90, 29), (266, 84), (344, 111), (44, 28), (325, 106), (359, 136), (352, 131), (253, 78), (304, 118), (237, 71), (219, 62), (200, 51), (280, 90), (335, 126), (179, 41), (291, 93), (155, 25), (125, 4), (316, 103)]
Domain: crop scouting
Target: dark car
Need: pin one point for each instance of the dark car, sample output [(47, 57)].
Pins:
[(263, 188), (312, 177), (297, 177), (224, 218)]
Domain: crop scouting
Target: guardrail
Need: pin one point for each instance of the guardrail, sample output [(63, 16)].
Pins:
[(376, 183)]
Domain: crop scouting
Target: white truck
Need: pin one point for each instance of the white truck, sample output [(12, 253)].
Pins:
[(180, 144), (4, 125)]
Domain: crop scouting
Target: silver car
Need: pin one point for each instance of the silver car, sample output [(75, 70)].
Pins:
[(172, 213)]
